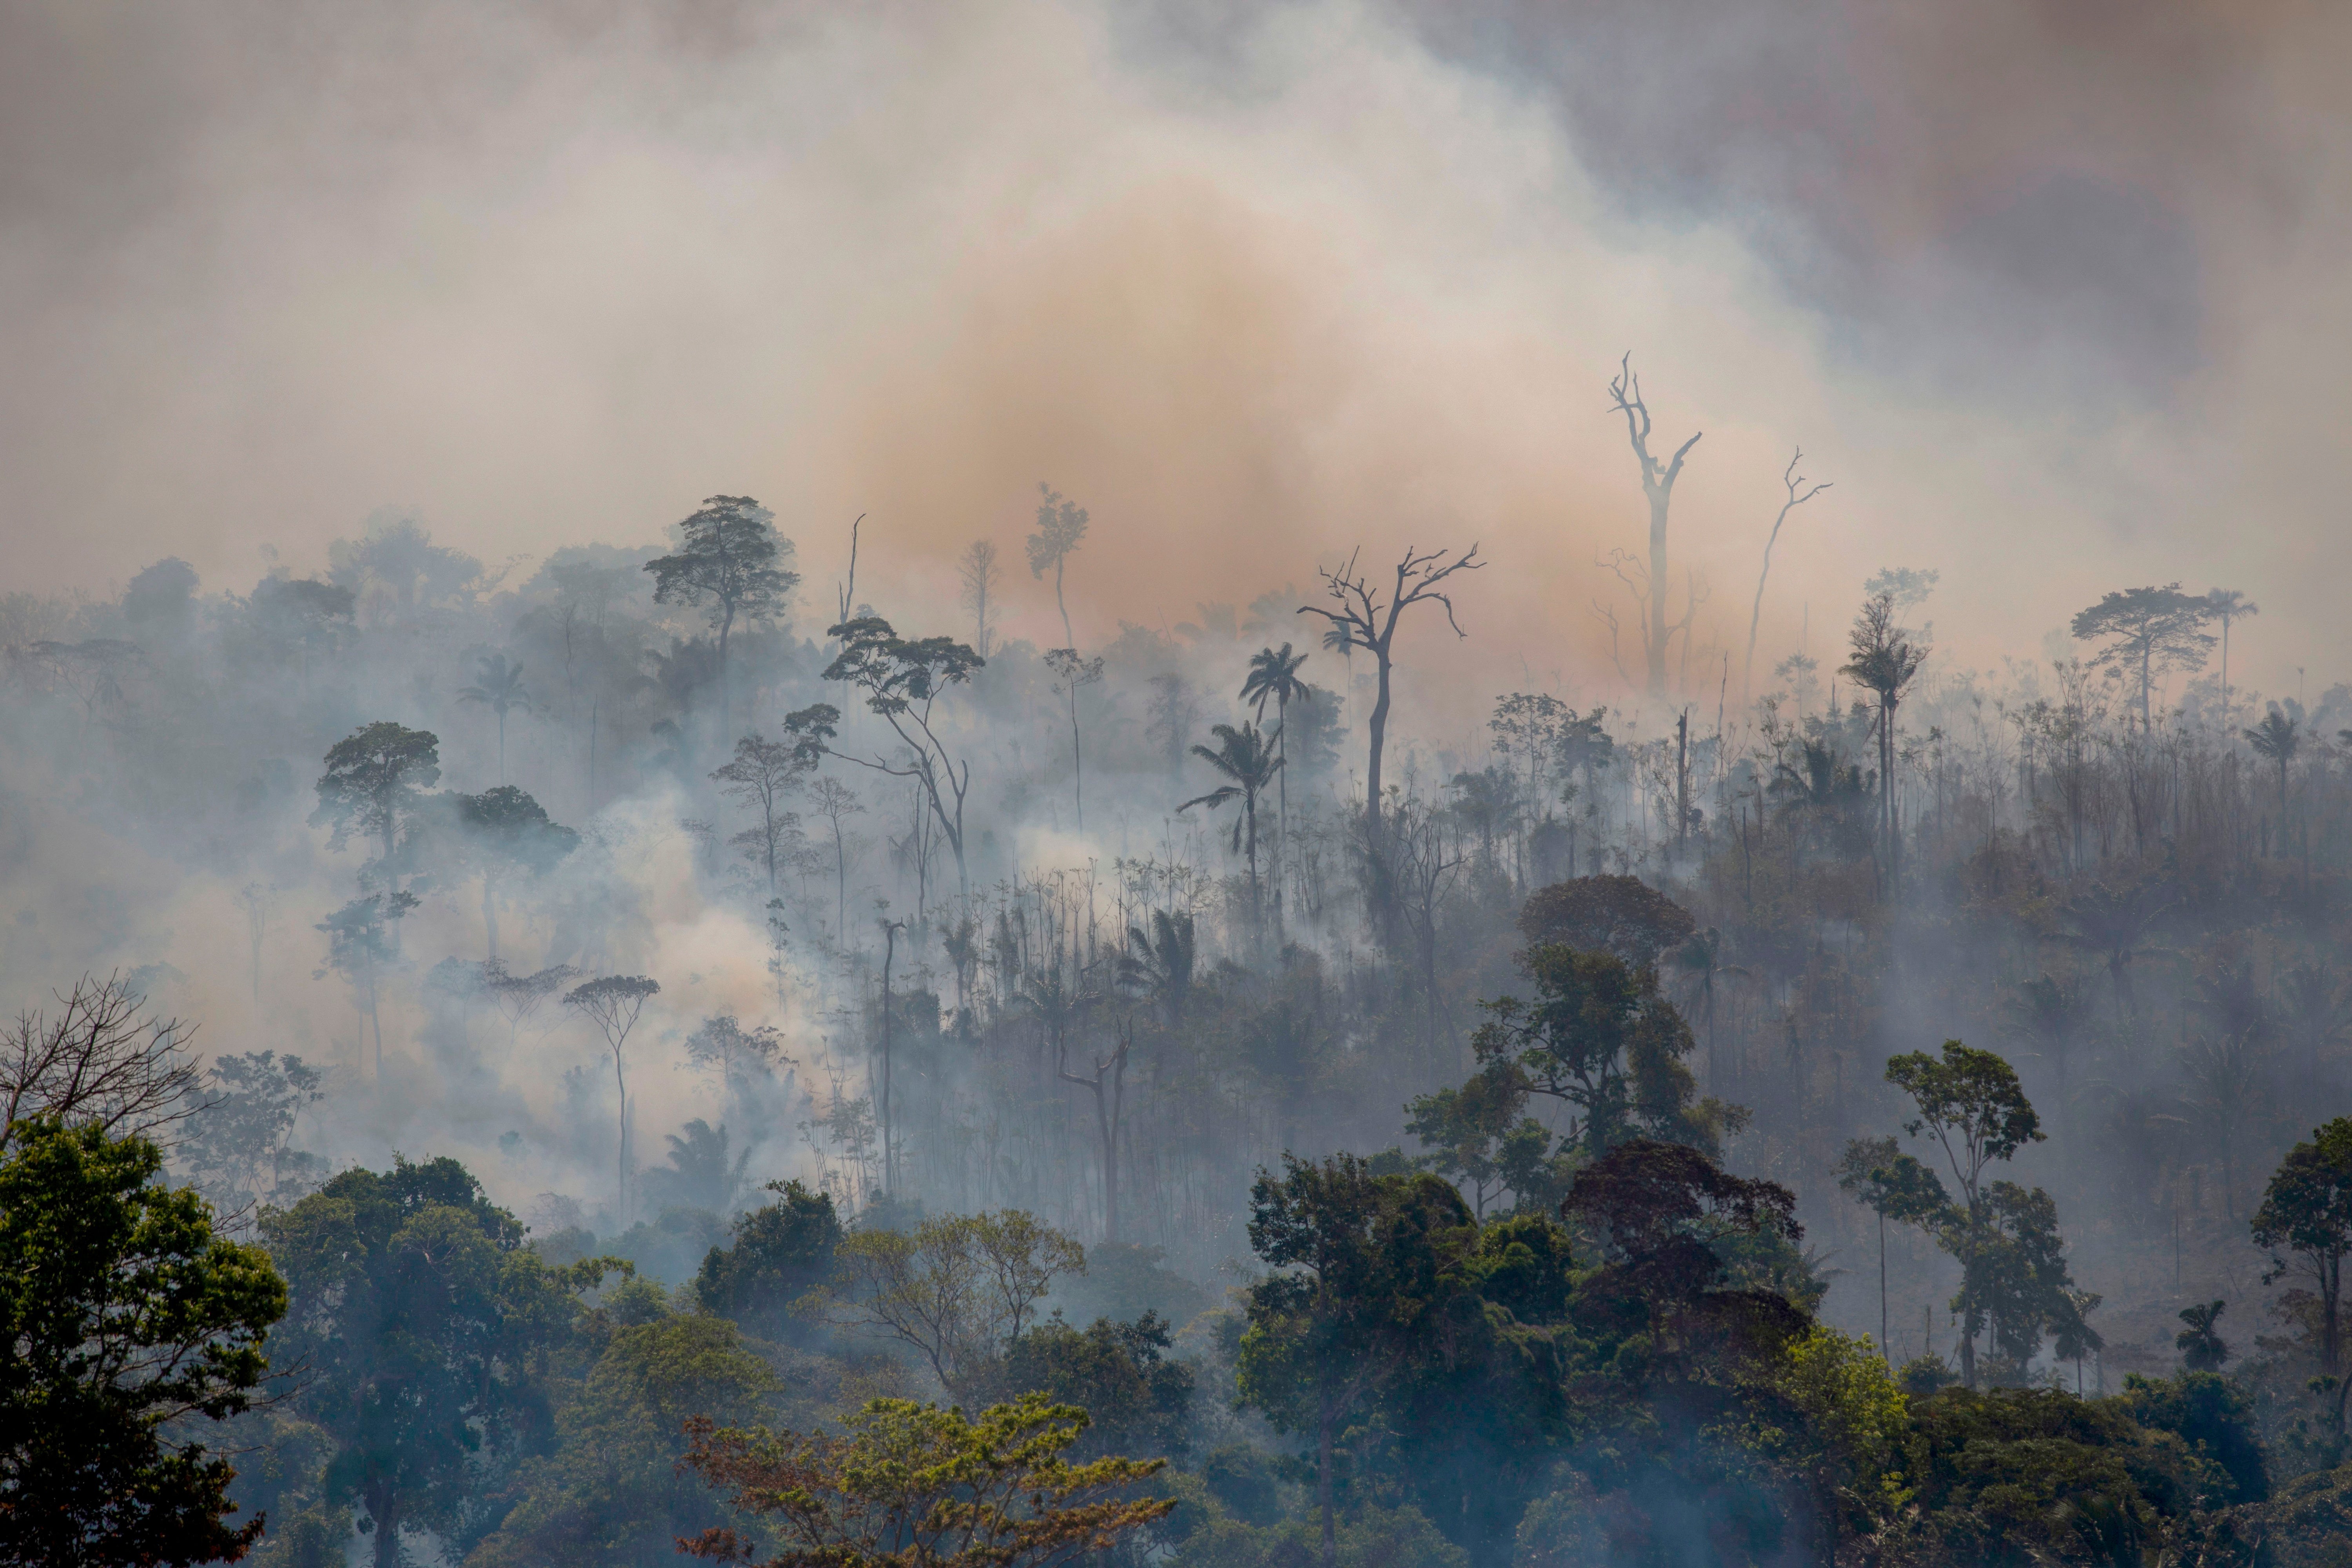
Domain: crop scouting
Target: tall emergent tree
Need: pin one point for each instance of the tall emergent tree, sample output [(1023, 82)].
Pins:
[(2228, 605), (1071, 673), (1971, 1105), (126, 1320), (1273, 678), (902, 678), (612, 1002), (1885, 662), (2148, 632), (1658, 486), (1061, 524), (373, 784), (2305, 1221), (1800, 490), (730, 561), (761, 776), (1370, 621), (978, 569)]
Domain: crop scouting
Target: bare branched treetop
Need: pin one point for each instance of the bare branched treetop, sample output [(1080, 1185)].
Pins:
[(99, 1059)]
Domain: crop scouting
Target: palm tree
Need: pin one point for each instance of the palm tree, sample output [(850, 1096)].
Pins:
[(2276, 738), (498, 685), (2314, 1015), (1273, 678), (2111, 924), (1246, 757), (2228, 604), (1885, 661), (1159, 962)]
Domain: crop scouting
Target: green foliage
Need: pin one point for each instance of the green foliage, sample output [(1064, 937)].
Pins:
[(776, 1254), (2215, 1418), (127, 1321), (958, 1290), (373, 781), (1120, 1374), (930, 1484), (612, 1491), (426, 1327)]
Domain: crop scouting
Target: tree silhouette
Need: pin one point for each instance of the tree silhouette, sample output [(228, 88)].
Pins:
[(730, 561), (498, 686), (978, 569), (1370, 621), (2201, 1345), (902, 678), (612, 1002), (1245, 757), (360, 946), (1658, 479), (2148, 631), (1070, 673), (2277, 738), (1273, 678), (372, 783), (2306, 1223), (761, 776), (1061, 524), (836, 802), (1800, 490), (1885, 661), (2228, 605), (506, 833)]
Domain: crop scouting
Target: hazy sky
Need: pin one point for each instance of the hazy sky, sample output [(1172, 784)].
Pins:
[(2054, 293)]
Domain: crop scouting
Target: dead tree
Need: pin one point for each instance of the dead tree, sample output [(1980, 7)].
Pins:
[(1658, 485), (1800, 492), (1108, 1086), (98, 1059), (1371, 622)]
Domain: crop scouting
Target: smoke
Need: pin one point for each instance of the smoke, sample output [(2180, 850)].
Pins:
[(2038, 288)]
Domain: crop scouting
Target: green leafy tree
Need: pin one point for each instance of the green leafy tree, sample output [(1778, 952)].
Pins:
[(1601, 1038), (1137, 1396), (958, 1290), (730, 563), (1971, 1105), (914, 1484), (2201, 1345), (2149, 632), (1893, 1185), (776, 1254), (2306, 1223), (128, 1322), (426, 1327), (373, 786)]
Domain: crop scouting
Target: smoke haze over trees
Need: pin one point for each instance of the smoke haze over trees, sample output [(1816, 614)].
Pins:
[(567, 824)]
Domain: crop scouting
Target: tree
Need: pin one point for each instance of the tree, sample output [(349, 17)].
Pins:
[(1159, 962), (776, 1254), (425, 1325), (762, 774), (913, 1484), (1108, 1084), (1800, 492), (730, 561), (1247, 758), (1070, 673), (1893, 1185), (1885, 661), (127, 1321), (2305, 1221), (1970, 1103), (506, 834), (956, 1291), (1603, 1039), (518, 996), (360, 947), (372, 786), (1658, 486), (1061, 524), (2201, 1345), (240, 1148), (498, 686), (1360, 1283), (2149, 632), (2228, 605), (1273, 678), (101, 1061), (1622, 915), (612, 1002), (738, 1057), (2111, 923), (978, 569), (2275, 738), (836, 802), (1370, 621), (902, 679), (1469, 1131)]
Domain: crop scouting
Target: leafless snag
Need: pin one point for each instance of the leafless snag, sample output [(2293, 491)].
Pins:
[(1658, 485), (99, 1059), (1371, 623), (1800, 490)]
